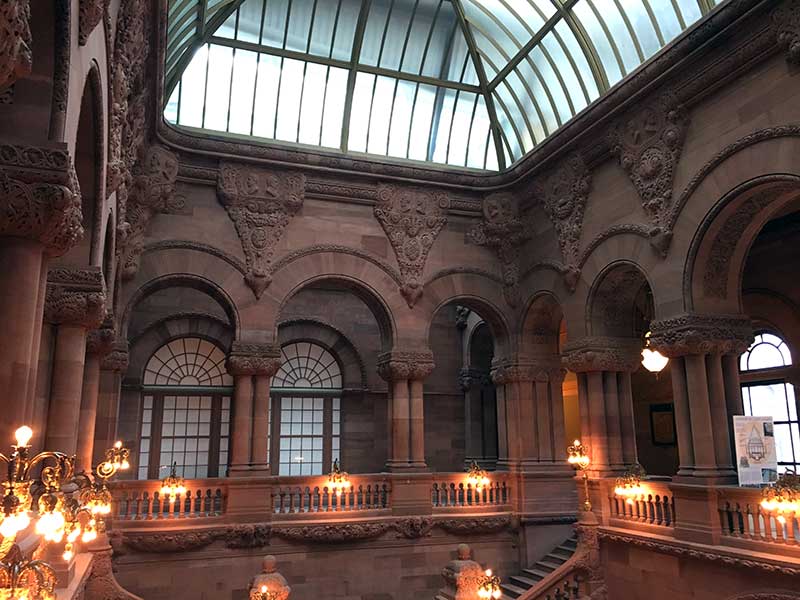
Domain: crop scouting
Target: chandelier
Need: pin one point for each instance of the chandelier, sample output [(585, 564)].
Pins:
[(338, 480), (477, 477), (490, 586), (783, 498), (652, 360), (172, 485), (22, 579), (95, 495), (629, 486)]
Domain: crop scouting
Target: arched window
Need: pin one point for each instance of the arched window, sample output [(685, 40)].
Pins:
[(185, 410), (307, 407), (766, 392)]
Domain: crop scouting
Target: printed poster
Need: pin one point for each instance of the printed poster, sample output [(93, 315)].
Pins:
[(756, 458)]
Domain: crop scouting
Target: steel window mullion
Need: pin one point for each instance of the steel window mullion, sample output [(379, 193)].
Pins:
[(400, 68), (469, 133), (654, 21), (180, 99), (430, 36), (375, 80), (676, 7), (351, 77), (438, 102), (523, 112), (230, 90), (589, 51), (453, 113), (324, 102), (205, 86), (547, 93), (514, 127), (631, 31), (557, 72), (411, 121), (612, 43), (278, 52), (255, 91)]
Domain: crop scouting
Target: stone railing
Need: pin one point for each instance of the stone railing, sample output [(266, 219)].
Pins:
[(655, 506), (746, 525), (311, 495), (452, 491), (143, 500)]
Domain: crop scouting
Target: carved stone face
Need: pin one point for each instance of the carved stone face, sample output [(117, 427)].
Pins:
[(500, 208), (15, 41)]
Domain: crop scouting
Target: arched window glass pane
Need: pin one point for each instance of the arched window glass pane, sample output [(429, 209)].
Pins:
[(768, 351), (307, 365), (187, 362)]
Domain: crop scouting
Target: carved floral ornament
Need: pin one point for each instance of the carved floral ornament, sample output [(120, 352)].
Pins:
[(602, 354), (75, 297), (649, 143), (404, 365), (254, 359), (15, 41), (91, 13), (504, 231), (412, 218), (542, 371), (260, 203), (786, 21), (701, 334)]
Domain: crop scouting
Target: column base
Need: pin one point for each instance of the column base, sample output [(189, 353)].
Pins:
[(707, 477), (406, 467), (242, 471)]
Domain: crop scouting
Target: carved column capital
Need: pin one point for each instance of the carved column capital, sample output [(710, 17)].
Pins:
[(117, 359), (525, 370), (100, 342), (602, 354), (39, 197), (248, 358), (786, 21), (16, 57), (399, 365), (692, 333), (469, 378), (75, 296)]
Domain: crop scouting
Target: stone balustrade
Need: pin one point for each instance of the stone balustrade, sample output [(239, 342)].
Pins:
[(303, 495), (143, 500), (745, 524), (453, 491), (655, 506)]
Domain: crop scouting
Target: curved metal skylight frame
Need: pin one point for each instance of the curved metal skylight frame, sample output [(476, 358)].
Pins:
[(528, 67)]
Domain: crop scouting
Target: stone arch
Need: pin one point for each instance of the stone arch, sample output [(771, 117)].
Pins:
[(541, 325), (372, 282), (716, 258), (334, 341), (776, 313), (620, 302)]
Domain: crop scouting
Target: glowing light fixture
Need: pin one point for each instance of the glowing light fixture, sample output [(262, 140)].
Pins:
[(490, 586), (172, 486), (338, 480), (629, 486), (22, 579), (783, 498), (95, 494), (477, 477), (578, 457), (652, 360)]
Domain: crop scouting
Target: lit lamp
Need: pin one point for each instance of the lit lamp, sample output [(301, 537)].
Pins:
[(95, 494), (578, 457), (338, 480), (489, 586), (652, 360), (629, 486), (783, 498), (477, 477), (172, 485), (265, 594), (22, 579)]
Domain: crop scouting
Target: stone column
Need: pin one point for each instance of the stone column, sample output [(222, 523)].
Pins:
[(705, 380), (112, 368), (603, 366), (252, 366), (75, 304), (99, 343), (40, 217), (471, 382)]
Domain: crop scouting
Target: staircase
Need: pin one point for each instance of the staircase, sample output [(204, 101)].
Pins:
[(519, 584)]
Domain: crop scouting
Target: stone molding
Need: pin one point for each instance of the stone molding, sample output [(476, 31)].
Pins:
[(786, 21), (16, 43), (692, 333), (90, 14), (504, 231), (768, 596), (102, 584), (116, 360), (676, 549), (75, 296), (40, 197), (563, 194), (602, 354), (542, 371), (254, 359), (399, 365), (412, 218), (260, 203)]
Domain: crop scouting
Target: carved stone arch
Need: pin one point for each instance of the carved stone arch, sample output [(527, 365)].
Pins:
[(368, 279), (541, 325), (716, 258), (776, 313), (354, 375), (620, 301)]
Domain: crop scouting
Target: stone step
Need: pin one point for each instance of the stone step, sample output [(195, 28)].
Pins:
[(511, 590), (524, 582), (535, 572), (555, 558)]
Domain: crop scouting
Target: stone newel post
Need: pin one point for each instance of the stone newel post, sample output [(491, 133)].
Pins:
[(269, 584), (462, 577)]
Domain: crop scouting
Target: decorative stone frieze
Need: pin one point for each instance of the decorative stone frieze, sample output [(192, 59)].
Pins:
[(75, 296), (649, 142), (248, 536), (527, 369), (412, 218), (40, 197), (602, 354), (786, 21), (701, 334), (413, 527), (504, 231), (16, 56), (401, 365), (152, 191), (260, 203), (333, 533), (91, 13), (563, 195), (254, 359), (475, 526), (175, 541), (116, 360), (270, 579)]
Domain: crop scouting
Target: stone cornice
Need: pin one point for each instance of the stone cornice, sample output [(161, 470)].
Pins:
[(399, 365), (75, 296), (602, 354), (691, 333), (248, 358)]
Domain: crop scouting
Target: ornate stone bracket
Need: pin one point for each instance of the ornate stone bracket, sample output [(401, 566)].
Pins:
[(100, 342), (504, 231), (260, 203), (39, 197), (412, 218), (602, 354), (91, 13), (152, 192), (701, 334), (564, 194), (16, 57), (786, 21), (117, 359), (399, 365), (469, 377), (254, 359), (75, 296), (649, 143)]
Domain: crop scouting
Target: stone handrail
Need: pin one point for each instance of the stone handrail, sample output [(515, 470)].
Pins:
[(452, 491), (143, 500), (745, 524), (304, 495), (655, 506), (566, 582)]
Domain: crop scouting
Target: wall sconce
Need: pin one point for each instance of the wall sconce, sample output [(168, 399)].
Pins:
[(338, 480), (95, 495), (652, 360), (476, 477), (578, 457), (490, 586), (629, 486), (172, 485), (782, 498)]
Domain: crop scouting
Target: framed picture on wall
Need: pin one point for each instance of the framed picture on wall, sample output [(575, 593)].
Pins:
[(662, 424)]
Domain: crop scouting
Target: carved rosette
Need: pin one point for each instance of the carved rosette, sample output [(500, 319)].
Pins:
[(649, 143), (260, 203), (39, 197), (117, 359), (404, 365), (563, 195), (152, 191), (254, 359), (701, 334), (504, 231), (75, 296), (91, 13), (16, 58), (786, 21), (412, 218), (602, 354)]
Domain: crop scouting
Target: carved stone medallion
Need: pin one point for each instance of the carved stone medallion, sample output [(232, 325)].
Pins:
[(786, 21)]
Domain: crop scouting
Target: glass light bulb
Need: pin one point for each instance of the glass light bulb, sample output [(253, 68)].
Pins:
[(263, 589), (68, 554), (23, 435), (89, 536), (14, 523)]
